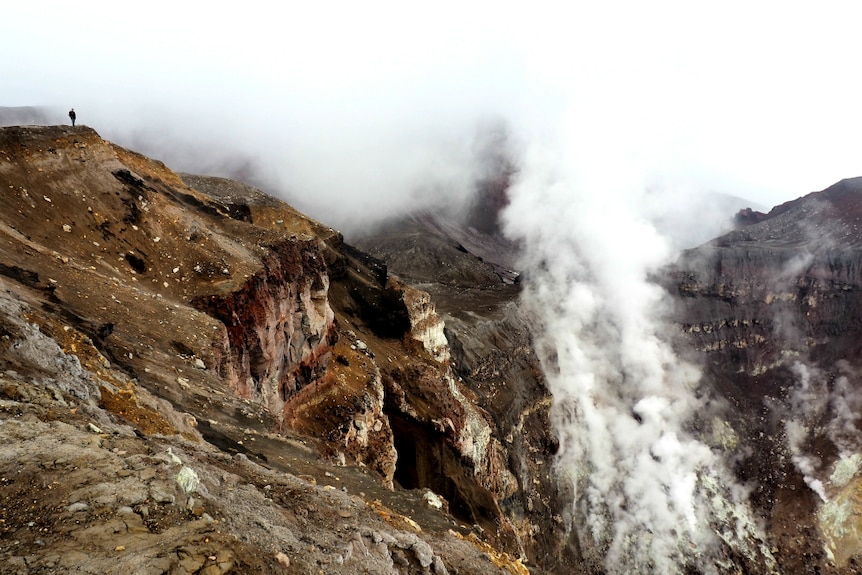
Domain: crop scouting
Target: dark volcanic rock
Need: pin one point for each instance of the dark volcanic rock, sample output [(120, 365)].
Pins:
[(774, 311), (786, 286)]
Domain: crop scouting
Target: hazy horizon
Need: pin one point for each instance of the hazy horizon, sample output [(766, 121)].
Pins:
[(344, 107)]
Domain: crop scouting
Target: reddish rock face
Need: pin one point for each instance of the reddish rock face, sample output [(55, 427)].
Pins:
[(280, 327)]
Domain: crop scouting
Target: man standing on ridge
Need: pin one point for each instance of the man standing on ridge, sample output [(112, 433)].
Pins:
[(72, 116)]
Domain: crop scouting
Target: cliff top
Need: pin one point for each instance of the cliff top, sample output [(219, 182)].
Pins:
[(829, 219)]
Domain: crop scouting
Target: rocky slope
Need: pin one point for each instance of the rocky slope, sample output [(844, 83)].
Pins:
[(196, 378), (772, 310)]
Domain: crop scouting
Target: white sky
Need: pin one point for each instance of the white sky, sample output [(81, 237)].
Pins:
[(345, 101)]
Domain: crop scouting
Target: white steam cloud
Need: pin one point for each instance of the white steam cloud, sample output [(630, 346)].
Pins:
[(355, 111), (808, 402), (650, 497)]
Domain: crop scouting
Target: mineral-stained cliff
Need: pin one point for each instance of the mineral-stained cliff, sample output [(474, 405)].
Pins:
[(773, 310), (212, 357)]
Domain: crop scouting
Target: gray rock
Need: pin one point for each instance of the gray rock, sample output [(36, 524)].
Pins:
[(161, 493), (424, 553)]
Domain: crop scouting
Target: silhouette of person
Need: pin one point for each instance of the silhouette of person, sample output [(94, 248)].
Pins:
[(72, 116)]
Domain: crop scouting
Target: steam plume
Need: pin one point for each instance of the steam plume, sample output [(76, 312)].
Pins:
[(823, 405), (649, 496)]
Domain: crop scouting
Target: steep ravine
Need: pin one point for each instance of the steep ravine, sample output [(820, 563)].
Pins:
[(389, 399), (471, 282)]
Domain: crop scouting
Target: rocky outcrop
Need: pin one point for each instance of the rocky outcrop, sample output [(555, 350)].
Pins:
[(426, 326), (438, 426), (346, 409)]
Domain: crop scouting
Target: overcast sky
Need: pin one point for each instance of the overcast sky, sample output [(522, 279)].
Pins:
[(342, 103)]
